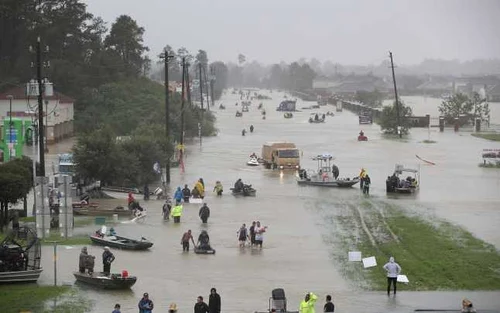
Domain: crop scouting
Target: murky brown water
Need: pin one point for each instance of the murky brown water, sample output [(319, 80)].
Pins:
[(294, 256)]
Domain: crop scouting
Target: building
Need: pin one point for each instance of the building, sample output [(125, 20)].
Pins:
[(58, 111), (493, 93), (349, 85)]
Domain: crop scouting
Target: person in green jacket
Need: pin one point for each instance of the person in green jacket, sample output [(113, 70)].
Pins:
[(307, 305), (176, 213)]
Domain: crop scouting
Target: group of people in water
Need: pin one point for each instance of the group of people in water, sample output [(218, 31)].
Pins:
[(203, 241), (244, 131)]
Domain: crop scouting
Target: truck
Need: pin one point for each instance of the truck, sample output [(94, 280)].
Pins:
[(280, 155)]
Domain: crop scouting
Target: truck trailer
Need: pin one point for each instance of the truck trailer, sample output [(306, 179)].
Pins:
[(280, 155)]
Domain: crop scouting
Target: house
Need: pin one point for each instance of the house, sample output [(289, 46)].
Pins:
[(493, 93), (58, 111), (349, 85)]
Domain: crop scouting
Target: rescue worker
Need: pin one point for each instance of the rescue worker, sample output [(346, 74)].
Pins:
[(218, 188), (112, 232), (242, 235), (361, 176), (243, 132), (238, 185), (178, 195), (201, 188), (107, 259), (83, 260), (204, 241), (307, 305), (145, 304), (253, 155), (335, 171), (185, 240), (204, 213), (251, 128), (186, 193), (366, 184), (200, 306), (176, 212)]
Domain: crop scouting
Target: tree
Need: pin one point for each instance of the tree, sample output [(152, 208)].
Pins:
[(221, 76), (460, 105), (241, 59), (15, 183), (389, 119), (202, 58), (372, 99), (125, 40), (182, 52)]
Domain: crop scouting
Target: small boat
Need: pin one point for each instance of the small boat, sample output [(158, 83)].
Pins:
[(288, 115), (89, 211), (323, 176), (121, 242), (244, 109), (314, 121), (239, 114), (221, 107), (330, 113), (253, 162), (113, 281), (247, 191), (397, 183), (204, 251)]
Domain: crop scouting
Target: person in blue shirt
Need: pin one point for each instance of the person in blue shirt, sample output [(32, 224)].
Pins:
[(145, 305), (117, 309), (178, 195)]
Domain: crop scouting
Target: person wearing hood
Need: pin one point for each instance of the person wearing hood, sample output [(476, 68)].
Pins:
[(176, 212), (204, 213), (307, 305), (83, 260), (107, 259), (238, 185), (200, 185), (166, 210), (186, 193), (204, 241), (218, 188), (200, 306), (362, 175), (393, 269), (214, 301), (178, 195), (335, 171)]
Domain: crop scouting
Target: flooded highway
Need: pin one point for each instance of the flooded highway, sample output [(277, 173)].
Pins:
[(297, 253)]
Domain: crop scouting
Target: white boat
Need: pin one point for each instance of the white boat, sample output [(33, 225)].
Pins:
[(323, 176), (253, 162)]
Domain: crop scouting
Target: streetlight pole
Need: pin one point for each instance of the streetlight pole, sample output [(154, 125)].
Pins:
[(396, 95), (166, 57), (10, 97)]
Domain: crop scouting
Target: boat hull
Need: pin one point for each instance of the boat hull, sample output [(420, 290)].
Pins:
[(253, 163), (334, 183), (249, 193), (201, 251), (29, 276), (92, 212), (105, 282), (122, 243)]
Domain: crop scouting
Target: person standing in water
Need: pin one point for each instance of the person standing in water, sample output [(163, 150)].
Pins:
[(218, 188), (145, 304), (307, 305), (200, 306), (204, 213), (329, 306), (176, 212), (259, 234), (242, 235), (185, 240), (393, 269), (186, 193), (214, 302), (252, 234)]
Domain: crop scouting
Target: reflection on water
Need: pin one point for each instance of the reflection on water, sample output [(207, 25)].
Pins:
[(294, 257)]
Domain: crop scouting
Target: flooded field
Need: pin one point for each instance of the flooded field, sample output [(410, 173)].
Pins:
[(296, 255)]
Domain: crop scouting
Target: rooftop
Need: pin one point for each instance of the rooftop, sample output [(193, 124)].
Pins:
[(19, 93)]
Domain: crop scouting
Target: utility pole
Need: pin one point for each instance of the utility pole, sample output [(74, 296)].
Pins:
[(200, 124), (396, 95), (206, 86), (10, 97), (183, 95), (212, 82), (166, 57), (41, 130)]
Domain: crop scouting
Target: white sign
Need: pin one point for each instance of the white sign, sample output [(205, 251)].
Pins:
[(369, 262), (354, 256), (403, 279)]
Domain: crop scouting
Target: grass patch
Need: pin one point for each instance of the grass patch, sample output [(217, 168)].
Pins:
[(434, 256), (75, 240), (488, 136), (490, 165), (35, 298), (27, 219)]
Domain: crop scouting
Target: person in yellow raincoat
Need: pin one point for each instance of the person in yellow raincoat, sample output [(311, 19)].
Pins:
[(362, 175), (307, 305), (201, 188), (176, 213)]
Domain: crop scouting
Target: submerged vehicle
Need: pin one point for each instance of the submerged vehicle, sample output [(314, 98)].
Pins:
[(397, 183), (253, 162), (365, 117), (282, 155), (120, 242), (247, 191), (288, 115), (20, 255), (324, 176), (287, 106), (113, 281)]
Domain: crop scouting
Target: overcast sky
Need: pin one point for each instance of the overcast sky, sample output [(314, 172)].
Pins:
[(343, 31)]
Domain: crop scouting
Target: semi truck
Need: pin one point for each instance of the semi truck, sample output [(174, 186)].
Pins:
[(280, 155)]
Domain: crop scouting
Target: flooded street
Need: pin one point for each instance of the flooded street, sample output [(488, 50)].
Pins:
[(296, 255)]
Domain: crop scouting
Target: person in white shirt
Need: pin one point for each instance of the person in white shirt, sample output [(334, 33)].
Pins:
[(259, 234), (393, 269)]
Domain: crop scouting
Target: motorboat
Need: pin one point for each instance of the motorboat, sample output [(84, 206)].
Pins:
[(244, 109), (253, 162), (316, 121), (330, 113), (247, 191), (324, 176), (239, 114), (397, 183), (91, 211), (20, 256), (113, 281), (198, 250), (288, 115), (120, 242)]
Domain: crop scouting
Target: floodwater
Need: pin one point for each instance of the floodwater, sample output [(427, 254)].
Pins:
[(295, 256)]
